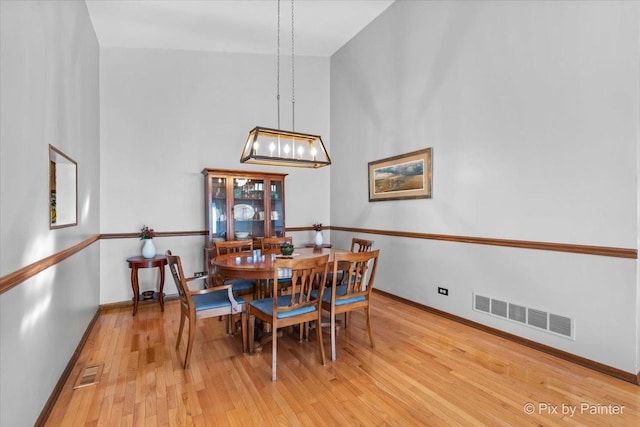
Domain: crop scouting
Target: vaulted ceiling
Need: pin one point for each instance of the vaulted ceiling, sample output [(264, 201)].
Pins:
[(321, 27)]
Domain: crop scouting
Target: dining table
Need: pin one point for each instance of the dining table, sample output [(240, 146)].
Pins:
[(259, 266)]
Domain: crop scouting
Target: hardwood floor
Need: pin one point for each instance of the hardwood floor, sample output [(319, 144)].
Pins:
[(425, 370)]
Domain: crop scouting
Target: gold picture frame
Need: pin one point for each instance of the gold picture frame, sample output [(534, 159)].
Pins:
[(407, 176)]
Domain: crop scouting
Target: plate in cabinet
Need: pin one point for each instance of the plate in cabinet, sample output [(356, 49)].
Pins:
[(242, 212)]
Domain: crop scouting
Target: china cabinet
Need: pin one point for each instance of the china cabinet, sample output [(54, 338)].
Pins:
[(242, 205)]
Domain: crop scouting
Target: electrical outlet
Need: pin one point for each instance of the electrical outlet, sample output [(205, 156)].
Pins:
[(443, 291), (199, 273)]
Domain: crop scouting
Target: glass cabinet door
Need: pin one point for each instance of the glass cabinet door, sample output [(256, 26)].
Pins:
[(248, 208), (277, 208), (242, 205), (218, 225)]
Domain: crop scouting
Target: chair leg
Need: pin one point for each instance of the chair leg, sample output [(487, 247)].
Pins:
[(244, 331), (227, 324), (333, 336), (182, 316), (319, 333), (192, 334), (251, 331), (367, 312), (274, 351)]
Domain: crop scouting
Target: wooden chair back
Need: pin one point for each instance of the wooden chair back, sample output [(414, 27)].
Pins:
[(209, 302), (273, 243), (240, 286), (232, 246), (358, 278), (361, 245), (298, 307)]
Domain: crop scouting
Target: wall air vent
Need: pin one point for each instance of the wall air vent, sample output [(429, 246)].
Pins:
[(518, 313), (560, 325), (499, 308), (539, 319), (483, 304)]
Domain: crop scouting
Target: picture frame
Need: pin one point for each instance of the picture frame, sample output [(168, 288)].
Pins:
[(406, 176)]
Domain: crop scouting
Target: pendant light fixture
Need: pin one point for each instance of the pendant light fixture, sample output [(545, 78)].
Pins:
[(277, 147)]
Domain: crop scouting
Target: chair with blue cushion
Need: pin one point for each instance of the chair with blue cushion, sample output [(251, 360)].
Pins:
[(357, 245), (355, 294), (361, 245), (271, 245), (209, 302), (298, 307), (240, 286)]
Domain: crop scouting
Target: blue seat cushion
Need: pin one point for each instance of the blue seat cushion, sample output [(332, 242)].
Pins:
[(340, 291), (266, 306), (330, 277), (215, 299), (241, 284)]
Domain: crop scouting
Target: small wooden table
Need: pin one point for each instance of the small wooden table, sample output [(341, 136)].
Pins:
[(313, 245), (136, 262)]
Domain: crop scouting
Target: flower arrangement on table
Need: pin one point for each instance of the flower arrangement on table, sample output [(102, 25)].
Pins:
[(317, 226), (146, 233)]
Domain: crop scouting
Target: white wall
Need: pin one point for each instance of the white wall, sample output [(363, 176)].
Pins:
[(532, 112), (165, 116), (48, 95)]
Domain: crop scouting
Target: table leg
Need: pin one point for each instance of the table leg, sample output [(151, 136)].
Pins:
[(134, 285), (161, 287)]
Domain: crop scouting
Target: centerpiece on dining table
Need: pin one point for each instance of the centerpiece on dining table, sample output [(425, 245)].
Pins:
[(286, 249)]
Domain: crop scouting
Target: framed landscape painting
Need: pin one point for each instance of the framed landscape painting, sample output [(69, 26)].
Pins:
[(407, 176)]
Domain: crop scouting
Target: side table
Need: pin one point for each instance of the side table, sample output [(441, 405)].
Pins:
[(313, 245), (136, 262)]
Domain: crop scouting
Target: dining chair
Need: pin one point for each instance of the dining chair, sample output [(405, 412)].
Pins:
[(357, 245), (273, 243), (361, 245), (353, 295), (198, 304), (296, 308), (240, 286)]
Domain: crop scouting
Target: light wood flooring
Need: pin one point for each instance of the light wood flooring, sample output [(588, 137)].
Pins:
[(425, 370)]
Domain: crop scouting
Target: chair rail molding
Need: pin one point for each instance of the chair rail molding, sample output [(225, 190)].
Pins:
[(523, 244), (10, 280)]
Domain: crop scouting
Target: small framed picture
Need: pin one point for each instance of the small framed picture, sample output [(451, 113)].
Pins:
[(407, 176)]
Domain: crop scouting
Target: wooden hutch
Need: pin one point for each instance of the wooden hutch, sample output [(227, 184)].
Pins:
[(242, 205)]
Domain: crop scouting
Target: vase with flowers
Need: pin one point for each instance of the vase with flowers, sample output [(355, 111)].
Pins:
[(146, 235), (317, 227)]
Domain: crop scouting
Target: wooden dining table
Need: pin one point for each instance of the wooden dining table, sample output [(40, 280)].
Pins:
[(260, 267)]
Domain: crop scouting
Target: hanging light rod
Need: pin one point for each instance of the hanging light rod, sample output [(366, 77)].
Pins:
[(277, 147)]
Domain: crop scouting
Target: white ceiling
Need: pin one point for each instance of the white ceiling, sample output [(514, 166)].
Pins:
[(321, 27)]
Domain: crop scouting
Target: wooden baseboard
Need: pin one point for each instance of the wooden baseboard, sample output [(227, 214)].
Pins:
[(48, 407), (596, 366), (121, 304)]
